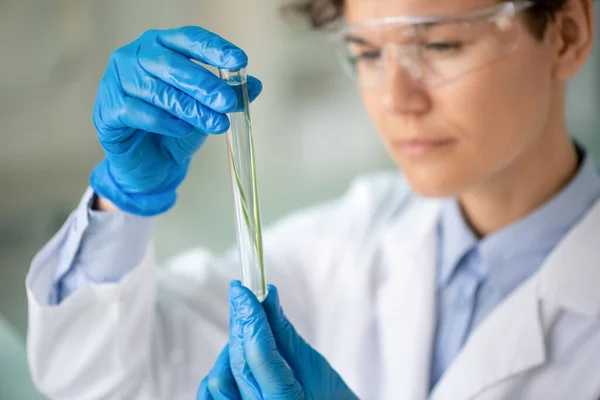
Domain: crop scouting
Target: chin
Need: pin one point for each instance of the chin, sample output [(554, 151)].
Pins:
[(434, 184), (431, 191)]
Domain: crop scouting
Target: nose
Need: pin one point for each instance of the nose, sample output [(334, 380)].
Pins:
[(404, 89)]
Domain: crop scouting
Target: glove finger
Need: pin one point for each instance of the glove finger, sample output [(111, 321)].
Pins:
[(240, 369), (203, 392), (137, 116), (254, 88), (177, 103), (268, 367), (193, 79), (179, 71), (291, 345), (182, 149), (205, 46), (307, 363), (117, 116), (221, 383)]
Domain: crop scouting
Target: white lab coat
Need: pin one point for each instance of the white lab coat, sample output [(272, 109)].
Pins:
[(356, 277)]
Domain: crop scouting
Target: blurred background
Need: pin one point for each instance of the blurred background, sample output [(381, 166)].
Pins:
[(311, 133)]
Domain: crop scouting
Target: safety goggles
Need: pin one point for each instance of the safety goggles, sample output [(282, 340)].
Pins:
[(432, 49)]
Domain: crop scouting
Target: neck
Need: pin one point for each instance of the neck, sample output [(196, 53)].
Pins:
[(539, 173)]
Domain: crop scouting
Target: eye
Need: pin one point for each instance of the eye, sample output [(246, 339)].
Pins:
[(366, 56), (443, 47)]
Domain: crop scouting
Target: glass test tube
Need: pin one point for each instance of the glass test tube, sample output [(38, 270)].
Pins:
[(242, 167)]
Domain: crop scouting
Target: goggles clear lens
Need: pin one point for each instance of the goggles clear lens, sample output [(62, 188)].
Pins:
[(432, 50)]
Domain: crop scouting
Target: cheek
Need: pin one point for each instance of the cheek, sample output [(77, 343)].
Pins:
[(497, 113), (493, 114)]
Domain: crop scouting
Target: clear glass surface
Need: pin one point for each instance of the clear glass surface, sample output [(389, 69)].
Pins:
[(240, 146), (430, 50)]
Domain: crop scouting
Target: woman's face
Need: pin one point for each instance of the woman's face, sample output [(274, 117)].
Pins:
[(452, 137)]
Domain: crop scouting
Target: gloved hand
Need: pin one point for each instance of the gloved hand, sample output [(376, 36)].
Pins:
[(266, 359), (155, 108)]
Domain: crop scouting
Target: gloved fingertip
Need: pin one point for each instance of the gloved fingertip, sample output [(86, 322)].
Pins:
[(272, 298), (271, 287), (203, 392), (229, 100), (243, 302), (233, 57), (219, 126), (255, 88), (271, 304), (237, 293)]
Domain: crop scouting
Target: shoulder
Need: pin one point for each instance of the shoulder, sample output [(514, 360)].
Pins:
[(381, 195), (376, 189), (370, 202)]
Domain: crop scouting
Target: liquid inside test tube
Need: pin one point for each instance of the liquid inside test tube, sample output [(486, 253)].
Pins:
[(240, 146)]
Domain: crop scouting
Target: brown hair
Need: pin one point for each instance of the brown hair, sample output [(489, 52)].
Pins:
[(322, 13)]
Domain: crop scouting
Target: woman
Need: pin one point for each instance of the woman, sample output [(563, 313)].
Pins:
[(471, 275)]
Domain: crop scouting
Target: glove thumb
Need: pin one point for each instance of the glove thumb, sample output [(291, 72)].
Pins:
[(311, 369), (299, 355)]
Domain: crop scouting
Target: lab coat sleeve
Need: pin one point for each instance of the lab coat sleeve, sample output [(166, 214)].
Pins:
[(155, 333), (95, 247)]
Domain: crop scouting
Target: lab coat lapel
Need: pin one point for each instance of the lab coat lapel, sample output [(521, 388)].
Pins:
[(508, 342), (571, 275), (406, 306)]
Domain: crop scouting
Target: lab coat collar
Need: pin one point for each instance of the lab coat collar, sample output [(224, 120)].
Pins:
[(458, 240), (511, 339), (570, 276), (406, 302), (406, 307), (508, 342)]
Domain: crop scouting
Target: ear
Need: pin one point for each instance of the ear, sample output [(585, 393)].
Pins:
[(572, 34)]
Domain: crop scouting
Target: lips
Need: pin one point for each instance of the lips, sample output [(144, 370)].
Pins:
[(421, 147)]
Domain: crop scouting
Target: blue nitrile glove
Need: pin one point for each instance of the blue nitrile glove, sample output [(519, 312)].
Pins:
[(155, 108), (267, 359)]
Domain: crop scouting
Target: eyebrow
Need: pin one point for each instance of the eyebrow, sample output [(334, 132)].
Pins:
[(432, 24), (423, 27)]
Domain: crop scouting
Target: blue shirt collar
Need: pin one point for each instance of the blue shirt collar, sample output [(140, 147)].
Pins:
[(539, 231), (457, 239)]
